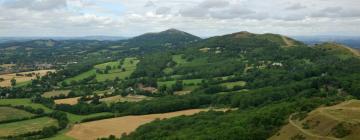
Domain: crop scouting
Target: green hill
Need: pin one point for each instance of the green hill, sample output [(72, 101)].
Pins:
[(168, 38), (338, 49)]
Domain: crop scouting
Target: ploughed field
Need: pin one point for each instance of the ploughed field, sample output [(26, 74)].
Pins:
[(120, 125)]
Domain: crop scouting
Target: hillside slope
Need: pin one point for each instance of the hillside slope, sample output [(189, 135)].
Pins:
[(326, 123), (168, 38), (338, 49)]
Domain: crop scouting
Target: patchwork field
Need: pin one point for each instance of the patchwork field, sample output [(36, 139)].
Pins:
[(117, 126), (129, 67), (25, 102), (21, 79), (23, 127), (326, 123), (70, 101), (55, 93), (185, 82), (9, 113), (129, 98), (233, 84)]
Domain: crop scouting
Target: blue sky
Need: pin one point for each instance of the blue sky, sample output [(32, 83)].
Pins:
[(199, 17)]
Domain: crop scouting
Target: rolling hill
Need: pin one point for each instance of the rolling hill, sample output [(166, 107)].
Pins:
[(168, 38)]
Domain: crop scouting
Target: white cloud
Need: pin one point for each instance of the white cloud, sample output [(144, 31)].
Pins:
[(201, 17)]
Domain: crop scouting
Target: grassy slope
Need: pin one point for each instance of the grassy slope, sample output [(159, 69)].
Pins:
[(26, 102), (9, 113), (113, 73), (17, 128), (189, 81)]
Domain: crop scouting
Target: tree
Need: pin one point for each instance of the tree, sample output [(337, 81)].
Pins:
[(48, 131), (13, 82), (178, 85)]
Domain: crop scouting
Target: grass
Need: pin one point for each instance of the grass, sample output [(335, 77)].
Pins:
[(25, 102), (185, 82), (233, 84), (22, 127), (9, 113), (73, 118), (130, 98), (178, 59), (55, 93), (22, 80), (129, 65), (60, 137)]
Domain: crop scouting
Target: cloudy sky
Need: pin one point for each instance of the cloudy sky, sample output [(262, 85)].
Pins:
[(199, 17)]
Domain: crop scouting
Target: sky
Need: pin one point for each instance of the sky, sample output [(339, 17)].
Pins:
[(200, 17)]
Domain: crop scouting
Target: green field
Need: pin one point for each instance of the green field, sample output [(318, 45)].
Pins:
[(55, 93), (25, 102), (233, 84), (73, 118), (178, 59), (9, 113), (129, 65), (60, 137), (185, 82), (22, 127)]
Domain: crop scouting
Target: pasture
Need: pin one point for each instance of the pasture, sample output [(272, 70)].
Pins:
[(70, 101), (231, 85), (21, 77), (129, 98), (55, 93), (186, 82), (25, 102), (129, 67), (9, 113), (22, 127)]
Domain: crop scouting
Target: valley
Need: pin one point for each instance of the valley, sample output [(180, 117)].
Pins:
[(165, 85)]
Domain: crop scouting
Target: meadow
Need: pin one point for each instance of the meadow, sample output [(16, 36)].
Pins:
[(129, 67), (9, 113), (21, 79), (22, 127)]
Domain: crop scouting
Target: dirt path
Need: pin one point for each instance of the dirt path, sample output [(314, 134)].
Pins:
[(117, 126), (307, 132), (287, 42)]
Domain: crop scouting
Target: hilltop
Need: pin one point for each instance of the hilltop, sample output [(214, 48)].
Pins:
[(337, 49), (167, 38)]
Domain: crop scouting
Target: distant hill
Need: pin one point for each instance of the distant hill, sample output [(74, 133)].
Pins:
[(351, 41), (338, 49), (247, 40), (98, 38), (168, 38)]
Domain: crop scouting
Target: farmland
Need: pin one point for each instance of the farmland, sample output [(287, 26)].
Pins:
[(9, 113), (55, 93), (22, 127), (21, 77), (127, 68), (117, 126), (233, 84), (129, 98), (70, 101), (24, 102)]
